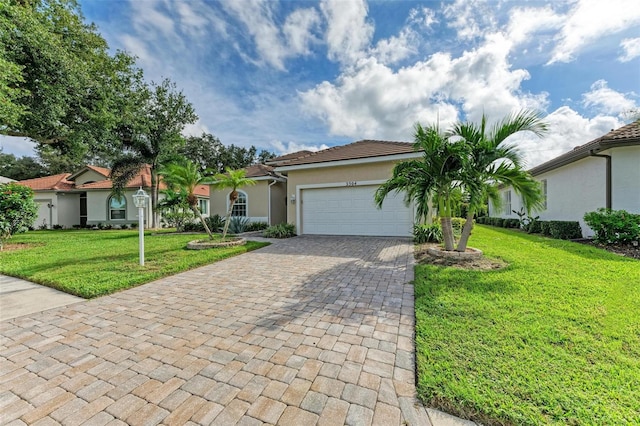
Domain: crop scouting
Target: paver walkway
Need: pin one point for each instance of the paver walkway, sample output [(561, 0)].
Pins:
[(307, 331)]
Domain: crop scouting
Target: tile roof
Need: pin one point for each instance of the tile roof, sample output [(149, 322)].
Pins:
[(628, 135), (353, 151), (287, 157), (259, 170), (57, 182)]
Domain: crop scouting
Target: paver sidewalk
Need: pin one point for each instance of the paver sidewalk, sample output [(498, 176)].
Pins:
[(307, 331)]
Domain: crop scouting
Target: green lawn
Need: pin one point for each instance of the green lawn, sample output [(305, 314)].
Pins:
[(554, 338), (94, 263)]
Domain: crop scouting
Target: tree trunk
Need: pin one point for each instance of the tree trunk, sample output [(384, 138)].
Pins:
[(447, 232), (228, 220), (196, 210), (154, 199), (466, 232)]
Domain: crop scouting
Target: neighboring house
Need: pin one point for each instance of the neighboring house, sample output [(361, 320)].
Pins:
[(266, 201), (330, 192), (602, 173), (84, 198), (5, 180)]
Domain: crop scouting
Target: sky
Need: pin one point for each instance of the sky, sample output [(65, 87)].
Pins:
[(292, 75)]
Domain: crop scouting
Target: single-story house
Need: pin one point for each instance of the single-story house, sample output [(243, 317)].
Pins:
[(266, 201), (84, 198), (602, 173), (331, 192)]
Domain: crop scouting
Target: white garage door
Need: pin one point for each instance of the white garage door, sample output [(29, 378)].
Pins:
[(351, 211)]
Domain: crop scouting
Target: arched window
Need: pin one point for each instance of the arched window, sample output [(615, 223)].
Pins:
[(117, 208), (240, 206)]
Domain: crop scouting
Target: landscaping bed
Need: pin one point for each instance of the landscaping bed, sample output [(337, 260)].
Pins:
[(94, 263), (553, 338)]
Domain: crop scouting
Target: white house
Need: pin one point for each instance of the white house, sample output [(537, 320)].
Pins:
[(602, 173)]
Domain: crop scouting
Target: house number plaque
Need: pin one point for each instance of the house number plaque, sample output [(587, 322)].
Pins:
[(351, 183)]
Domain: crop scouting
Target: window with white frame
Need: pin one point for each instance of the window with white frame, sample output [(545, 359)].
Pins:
[(240, 206), (203, 206), (544, 193), (507, 202), (117, 208)]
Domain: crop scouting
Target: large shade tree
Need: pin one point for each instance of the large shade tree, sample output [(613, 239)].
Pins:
[(152, 137), (232, 179), (59, 84), (431, 179), (186, 178), (491, 160)]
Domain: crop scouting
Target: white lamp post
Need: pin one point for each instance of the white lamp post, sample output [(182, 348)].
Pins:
[(140, 199)]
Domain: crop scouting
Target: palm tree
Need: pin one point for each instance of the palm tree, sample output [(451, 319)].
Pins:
[(434, 177), (491, 161), (232, 179), (186, 177)]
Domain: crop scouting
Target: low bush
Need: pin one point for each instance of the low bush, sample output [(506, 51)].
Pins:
[(564, 230), (215, 222), (544, 228), (283, 230), (257, 226), (57, 226), (192, 227), (614, 226), (427, 233), (534, 227)]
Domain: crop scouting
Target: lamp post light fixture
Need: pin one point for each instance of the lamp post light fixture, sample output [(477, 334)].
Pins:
[(140, 199)]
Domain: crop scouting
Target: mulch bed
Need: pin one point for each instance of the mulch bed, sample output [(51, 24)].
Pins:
[(482, 264), (626, 250)]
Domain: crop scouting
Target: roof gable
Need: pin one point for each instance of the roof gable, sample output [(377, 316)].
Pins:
[(59, 182), (628, 135)]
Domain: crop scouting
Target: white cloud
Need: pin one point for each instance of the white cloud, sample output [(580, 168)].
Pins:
[(282, 148), (348, 32), (567, 130), (525, 22), (471, 18), (395, 48), (422, 17), (631, 48), (374, 101), (299, 29), (607, 101), (590, 20)]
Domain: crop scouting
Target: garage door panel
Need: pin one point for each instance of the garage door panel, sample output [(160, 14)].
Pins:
[(352, 211)]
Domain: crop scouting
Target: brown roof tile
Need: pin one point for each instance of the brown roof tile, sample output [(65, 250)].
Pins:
[(57, 182), (628, 135), (258, 170), (280, 160), (353, 151)]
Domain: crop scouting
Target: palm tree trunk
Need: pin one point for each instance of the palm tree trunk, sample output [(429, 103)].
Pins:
[(196, 210), (154, 199), (228, 220), (447, 232), (466, 231)]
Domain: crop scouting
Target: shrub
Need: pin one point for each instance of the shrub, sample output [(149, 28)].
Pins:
[(108, 226), (76, 226), (134, 225), (283, 230), (18, 210), (544, 228), (614, 226), (192, 227), (257, 226), (238, 224), (427, 233), (565, 230), (57, 226), (215, 222), (534, 227), (458, 223)]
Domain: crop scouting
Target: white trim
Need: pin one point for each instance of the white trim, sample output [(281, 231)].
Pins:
[(279, 179), (299, 189), (351, 162)]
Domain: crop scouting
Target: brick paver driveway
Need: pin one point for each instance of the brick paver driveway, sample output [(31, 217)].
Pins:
[(306, 331)]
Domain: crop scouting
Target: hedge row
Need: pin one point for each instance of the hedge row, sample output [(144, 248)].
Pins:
[(560, 229)]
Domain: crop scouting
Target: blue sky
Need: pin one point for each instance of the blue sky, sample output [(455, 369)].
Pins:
[(293, 75)]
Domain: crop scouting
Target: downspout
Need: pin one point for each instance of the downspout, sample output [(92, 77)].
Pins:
[(269, 203), (607, 176)]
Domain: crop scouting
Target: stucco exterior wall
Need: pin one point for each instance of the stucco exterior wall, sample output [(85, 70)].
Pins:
[(580, 187), (257, 201), (88, 176), (278, 203), (625, 176), (68, 209), (329, 175), (46, 216), (98, 209)]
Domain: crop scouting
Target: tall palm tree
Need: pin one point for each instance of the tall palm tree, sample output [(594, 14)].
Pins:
[(187, 177), (434, 177), (491, 161), (232, 179)]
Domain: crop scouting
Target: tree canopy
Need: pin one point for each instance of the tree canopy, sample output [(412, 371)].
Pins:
[(59, 85)]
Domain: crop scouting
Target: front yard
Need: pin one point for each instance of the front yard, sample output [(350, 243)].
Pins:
[(94, 263), (554, 338)]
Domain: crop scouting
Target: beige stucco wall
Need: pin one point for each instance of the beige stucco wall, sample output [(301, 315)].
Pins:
[(278, 203), (257, 201), (88, 176), (57, 208), (334, 175), (68, 209), (97, 208)]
